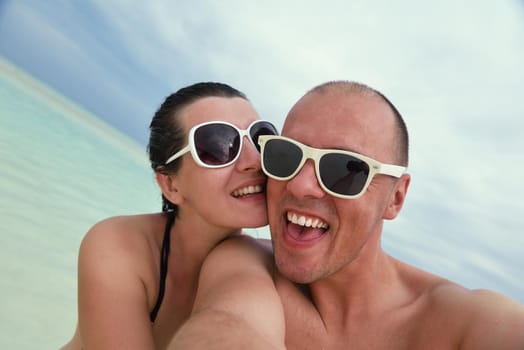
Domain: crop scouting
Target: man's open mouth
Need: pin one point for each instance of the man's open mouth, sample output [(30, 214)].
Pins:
[(305, 228)]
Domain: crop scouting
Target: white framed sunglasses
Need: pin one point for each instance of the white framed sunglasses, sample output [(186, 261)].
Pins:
[(342, 174), (217, 144)]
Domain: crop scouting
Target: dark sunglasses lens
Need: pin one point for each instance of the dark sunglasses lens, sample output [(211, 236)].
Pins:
[(343, 174), (281, 158), (261, 128), (217, 144)]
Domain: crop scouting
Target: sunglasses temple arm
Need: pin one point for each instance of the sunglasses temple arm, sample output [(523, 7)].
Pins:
[(178, 154), (392, 170)]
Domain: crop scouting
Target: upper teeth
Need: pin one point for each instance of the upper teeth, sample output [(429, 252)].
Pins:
[(306, 221), (247, 190)]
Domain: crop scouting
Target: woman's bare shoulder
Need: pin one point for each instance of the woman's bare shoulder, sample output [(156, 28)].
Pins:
[(129, 222), (124, 231), (118, 269), (128, 243)]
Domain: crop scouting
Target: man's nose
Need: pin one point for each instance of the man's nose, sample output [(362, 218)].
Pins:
[(305, 183)]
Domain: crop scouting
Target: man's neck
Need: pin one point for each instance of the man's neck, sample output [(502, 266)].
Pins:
[(365, 288)]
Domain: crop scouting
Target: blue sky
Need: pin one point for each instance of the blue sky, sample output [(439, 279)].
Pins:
[(453, 69)]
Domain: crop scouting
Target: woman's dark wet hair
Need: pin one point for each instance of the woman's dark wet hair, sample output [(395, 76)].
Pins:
[(167, 132)]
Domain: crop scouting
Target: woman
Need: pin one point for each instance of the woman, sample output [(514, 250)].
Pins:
[(138, 275)]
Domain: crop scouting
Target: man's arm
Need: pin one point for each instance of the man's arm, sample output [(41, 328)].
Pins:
[(237, 305)]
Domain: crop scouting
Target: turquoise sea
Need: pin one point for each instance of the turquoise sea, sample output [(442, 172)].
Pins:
[(61, 171)]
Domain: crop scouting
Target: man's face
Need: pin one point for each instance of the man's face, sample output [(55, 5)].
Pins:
[(339, 229)]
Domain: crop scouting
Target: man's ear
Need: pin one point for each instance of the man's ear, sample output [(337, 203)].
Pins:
[(169, 186), (396, 200)]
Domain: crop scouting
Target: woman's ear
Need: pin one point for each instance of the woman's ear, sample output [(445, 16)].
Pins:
[(168, 185), (396, 200)]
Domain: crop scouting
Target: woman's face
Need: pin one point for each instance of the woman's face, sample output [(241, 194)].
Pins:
[(231, 197)]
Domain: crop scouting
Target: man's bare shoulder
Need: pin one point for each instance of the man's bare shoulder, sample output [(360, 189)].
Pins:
[(447, 294), (438, 313), (478, 319)]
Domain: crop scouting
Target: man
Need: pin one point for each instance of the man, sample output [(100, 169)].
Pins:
[(336, 174)]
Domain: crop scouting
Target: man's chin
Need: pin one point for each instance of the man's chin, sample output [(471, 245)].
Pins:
[(293, 270)]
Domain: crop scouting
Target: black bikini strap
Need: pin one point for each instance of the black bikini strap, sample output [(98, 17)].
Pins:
[(163, 265)]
